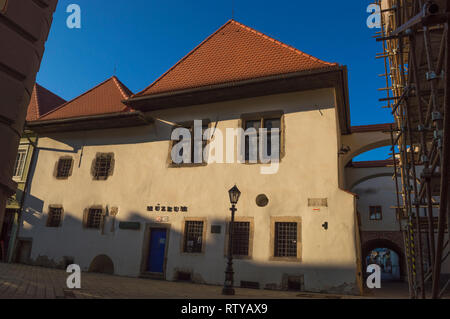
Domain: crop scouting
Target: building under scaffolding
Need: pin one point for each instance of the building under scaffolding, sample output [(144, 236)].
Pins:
[(414, 36)]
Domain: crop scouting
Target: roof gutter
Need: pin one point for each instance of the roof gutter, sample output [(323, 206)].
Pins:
[(84, 119)]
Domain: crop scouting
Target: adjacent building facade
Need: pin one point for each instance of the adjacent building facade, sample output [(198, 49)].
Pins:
[(42, 101)]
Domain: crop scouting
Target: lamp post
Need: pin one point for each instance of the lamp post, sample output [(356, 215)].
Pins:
[(228, 286)]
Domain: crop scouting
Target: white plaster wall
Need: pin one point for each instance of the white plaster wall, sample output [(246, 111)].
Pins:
[(142, 178), (379, 191)]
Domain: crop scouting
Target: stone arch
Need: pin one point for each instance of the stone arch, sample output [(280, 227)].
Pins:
[(366, 138), (358, 175), (360, 149), (370, 245), (102, 264), (366, 178)]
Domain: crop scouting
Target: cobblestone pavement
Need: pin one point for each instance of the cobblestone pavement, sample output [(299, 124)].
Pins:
[(27, 282)]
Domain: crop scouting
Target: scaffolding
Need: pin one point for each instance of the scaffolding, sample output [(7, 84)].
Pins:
[(414, 37)]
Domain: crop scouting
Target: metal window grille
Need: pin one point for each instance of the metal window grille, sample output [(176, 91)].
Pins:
[(193, 237), (94, 218), (64, 167), (241, 236), (102, 167), (376, 213), (285, 240), (54, 217), (20, 163)]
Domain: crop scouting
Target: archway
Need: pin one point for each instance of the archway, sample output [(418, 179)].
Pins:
[(366, 138), (388, 256), (102, 264)]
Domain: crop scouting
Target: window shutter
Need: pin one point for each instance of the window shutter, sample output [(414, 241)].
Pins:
[(111, 167), (55, 171), (71, 166)]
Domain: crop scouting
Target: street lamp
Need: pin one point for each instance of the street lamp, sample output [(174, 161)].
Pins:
[(228, 286)]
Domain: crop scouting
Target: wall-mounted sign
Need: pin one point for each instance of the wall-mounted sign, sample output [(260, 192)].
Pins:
[(162, 219), (168, 209), (216, 229), (130, 225)]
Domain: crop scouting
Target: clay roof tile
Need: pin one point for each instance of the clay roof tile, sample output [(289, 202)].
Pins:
[(104, 98), (233, 53)]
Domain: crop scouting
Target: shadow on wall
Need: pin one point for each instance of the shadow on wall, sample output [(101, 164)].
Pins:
[(59, 247), (72, 243), (161, 130)]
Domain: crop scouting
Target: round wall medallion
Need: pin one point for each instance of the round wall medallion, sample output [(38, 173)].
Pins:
[(262, 200)]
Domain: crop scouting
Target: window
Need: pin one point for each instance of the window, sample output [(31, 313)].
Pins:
[(19, 166), (103, 166), (376, 213), (193, 236), (94, 218), (241, 238), (269, 123), (55, 214), (190, 127), (285, 240), (64, 167)]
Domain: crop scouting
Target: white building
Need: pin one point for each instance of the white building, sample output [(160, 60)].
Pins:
[(106, 195)]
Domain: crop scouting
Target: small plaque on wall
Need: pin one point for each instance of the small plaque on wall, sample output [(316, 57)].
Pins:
[(130, 225), (216, 229)]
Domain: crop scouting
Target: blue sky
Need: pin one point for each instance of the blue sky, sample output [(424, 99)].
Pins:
[(141, 39)]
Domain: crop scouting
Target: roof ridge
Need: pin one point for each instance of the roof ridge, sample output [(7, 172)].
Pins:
[(123, 90), (282, 44), (36, 86), (76, 98), (120, 86), (184, 58)]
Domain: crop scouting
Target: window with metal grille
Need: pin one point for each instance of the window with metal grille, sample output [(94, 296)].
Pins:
[(285, 240), (376, 213), (64, 169), (241, 238), (94, 218), (103, 166), (54, 217), (20, 163), (252, 149), (193, 237)]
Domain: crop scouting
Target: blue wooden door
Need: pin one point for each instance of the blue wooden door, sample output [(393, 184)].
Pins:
[(157, 250)]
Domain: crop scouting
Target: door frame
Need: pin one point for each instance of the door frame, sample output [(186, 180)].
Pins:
[(17, 249), (146, 250)]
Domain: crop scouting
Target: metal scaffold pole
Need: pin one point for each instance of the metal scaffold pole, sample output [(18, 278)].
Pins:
[(414, 36)]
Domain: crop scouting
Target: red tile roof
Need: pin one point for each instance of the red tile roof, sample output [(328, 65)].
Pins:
[(233, 53), (42, 101), (104, 98)]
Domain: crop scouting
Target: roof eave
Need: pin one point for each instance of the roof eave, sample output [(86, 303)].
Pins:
[(334, 76), (91, 122)]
